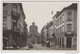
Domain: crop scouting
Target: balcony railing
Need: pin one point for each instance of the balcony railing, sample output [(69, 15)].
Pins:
[(69, 33)]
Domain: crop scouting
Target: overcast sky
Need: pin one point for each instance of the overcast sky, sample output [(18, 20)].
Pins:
[(40, 12)]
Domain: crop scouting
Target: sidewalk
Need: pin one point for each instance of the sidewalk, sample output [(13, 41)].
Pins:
[(57, 48), (24, 48)]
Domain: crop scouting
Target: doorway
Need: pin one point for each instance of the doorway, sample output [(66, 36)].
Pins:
[(69, 42)]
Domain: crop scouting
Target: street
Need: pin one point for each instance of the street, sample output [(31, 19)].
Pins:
[(39, 47)]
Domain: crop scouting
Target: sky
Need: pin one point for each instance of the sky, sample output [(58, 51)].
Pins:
[(40, 12)]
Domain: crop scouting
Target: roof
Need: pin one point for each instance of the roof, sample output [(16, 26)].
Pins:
[(49, 24), (33, 25), (54, 16), (72, 6)]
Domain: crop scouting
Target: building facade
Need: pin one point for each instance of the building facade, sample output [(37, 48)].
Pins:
[(13, 24), (43, 35), (66, 27), (47, 34), (34, 36), (49, 28)]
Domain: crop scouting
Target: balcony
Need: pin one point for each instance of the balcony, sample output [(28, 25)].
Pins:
[(15, 14), (69, 34)]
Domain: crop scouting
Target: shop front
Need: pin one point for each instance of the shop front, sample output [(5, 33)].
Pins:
[(69, 36)]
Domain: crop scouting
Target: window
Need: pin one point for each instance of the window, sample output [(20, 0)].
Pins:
[(4, 18), (4, 9), (56, 30), (4, 26), (4, 4), (14, 25), (14, 21), (69, 13), (14, 7), (14, 28), (63, 28), (56, 22), (60, 30), (4, 22), (63, 15), (69, 16), (53, 30), (60, 20), (69, 27)]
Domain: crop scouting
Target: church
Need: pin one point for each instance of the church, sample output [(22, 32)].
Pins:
[(34, 35)]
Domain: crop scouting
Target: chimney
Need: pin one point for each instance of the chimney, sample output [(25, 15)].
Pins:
[(57, 12)]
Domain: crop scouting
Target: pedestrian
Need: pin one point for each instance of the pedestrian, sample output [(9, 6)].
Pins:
[(30, 45), (48, 43)]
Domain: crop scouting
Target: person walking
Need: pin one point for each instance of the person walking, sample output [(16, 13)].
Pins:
[(48, 43)]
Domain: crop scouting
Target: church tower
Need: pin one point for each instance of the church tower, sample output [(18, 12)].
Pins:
[(34, 35)]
